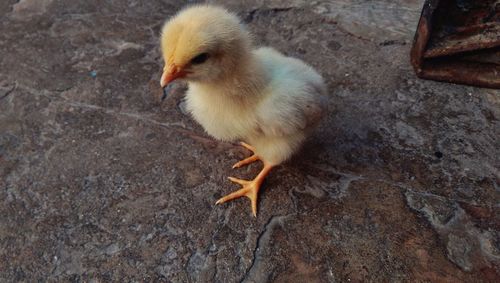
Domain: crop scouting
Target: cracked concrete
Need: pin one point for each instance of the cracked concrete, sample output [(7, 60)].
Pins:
[(101, 180)]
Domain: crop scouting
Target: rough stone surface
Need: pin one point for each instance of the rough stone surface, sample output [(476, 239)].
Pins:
[(101, 182)]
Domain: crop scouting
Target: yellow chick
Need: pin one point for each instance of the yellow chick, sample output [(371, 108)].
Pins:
[(238, 92)]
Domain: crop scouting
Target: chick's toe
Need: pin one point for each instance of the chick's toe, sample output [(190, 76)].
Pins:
[(247, 160)]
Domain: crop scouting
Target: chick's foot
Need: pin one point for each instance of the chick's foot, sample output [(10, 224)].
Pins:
[(247, 160), (250, 189)]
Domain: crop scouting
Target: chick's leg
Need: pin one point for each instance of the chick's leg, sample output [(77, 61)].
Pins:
[(248, 160), (250, 189)]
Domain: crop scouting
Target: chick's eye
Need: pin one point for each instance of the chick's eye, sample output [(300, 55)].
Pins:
[(200, 58)]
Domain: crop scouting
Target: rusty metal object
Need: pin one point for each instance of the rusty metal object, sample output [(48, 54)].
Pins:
[(459, 41)]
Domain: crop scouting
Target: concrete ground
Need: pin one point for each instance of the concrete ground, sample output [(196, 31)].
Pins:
[(101, 182)]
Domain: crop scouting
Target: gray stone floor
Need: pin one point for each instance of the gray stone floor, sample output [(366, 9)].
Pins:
[(101, 182)]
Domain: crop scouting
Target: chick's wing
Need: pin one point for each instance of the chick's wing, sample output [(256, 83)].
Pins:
[(292, 100), (286, 111)]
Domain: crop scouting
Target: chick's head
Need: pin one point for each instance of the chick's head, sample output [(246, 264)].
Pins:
[(202, 43)]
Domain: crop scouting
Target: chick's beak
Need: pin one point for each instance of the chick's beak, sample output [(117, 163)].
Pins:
[(170, 74)]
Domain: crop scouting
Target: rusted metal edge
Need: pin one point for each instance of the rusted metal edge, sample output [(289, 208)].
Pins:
[(463, 72), (422, 35), (474, 42), (443, 69)]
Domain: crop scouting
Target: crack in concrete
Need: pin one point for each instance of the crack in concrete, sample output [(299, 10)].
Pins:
[(8, 92), (467, 246), (251, 14), (346, 32), (178, 126), (255, 270), (212, 250), (342, 185), (135, 116), (24, 9)]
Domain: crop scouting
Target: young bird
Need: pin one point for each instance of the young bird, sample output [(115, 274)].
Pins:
[(237, 92)]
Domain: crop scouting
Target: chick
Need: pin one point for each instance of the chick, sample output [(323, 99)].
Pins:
[(239, 92)]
